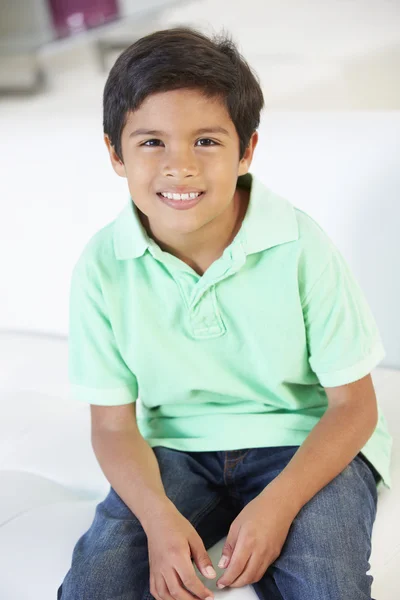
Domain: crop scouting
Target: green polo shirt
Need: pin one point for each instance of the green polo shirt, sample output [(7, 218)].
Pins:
[(235, 358)]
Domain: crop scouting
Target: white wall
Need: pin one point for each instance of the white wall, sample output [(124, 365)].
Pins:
[(313, 54)]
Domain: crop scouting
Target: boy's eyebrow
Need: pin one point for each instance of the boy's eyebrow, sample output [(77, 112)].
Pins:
[(215, 129)]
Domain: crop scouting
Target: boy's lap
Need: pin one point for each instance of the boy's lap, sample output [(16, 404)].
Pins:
[(208, 507), (191, 488)]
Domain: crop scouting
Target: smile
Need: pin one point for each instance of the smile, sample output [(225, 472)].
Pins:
[(181, 201), (189, 196)]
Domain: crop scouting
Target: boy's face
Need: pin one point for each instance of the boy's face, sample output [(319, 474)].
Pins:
[(176, 154)]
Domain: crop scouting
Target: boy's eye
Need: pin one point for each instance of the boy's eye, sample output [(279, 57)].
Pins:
[(154, 142), (207, 140), (147, 143)]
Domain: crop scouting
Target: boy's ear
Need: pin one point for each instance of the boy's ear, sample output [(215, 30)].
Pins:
[(245, 162), (116, 162)]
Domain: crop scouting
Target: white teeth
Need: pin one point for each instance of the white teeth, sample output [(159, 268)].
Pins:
[(189, 196)]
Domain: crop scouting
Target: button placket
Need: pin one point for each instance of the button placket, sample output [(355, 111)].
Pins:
[(205, 317), (200, 298)]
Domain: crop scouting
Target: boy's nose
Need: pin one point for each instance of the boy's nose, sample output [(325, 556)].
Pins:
[(180, 165)]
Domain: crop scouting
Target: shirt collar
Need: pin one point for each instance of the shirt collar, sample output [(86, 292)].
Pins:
[(270, 220)]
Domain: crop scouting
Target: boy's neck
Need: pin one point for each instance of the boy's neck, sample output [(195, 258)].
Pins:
[(220, 234)]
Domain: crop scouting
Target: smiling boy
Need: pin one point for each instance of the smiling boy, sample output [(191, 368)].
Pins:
[(238, 322), (196, 231)]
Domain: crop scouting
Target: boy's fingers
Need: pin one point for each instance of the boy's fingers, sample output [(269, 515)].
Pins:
[(172, 589), (191, 582), (201, 558), (238, 562)]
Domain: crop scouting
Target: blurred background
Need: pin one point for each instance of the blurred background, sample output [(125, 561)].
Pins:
[(329, 136)]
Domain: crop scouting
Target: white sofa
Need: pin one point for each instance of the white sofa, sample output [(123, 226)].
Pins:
[(51, 482)]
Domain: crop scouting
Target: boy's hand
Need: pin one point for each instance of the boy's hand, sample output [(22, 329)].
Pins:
[(256, 538), (172, 542)]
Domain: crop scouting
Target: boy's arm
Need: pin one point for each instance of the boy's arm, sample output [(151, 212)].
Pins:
[(99, 376), (336, 439), (127, 461), (344, 345)]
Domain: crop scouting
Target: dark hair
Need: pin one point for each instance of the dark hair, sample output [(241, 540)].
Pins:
[(182, 57)]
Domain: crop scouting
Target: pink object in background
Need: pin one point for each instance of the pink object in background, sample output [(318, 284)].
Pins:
[(72, 16)]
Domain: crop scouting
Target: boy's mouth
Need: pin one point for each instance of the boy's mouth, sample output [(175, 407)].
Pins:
[(180, 201), (184, 196)]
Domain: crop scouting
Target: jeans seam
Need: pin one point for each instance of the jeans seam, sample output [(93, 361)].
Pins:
[(229, 464), (245, 454), (206, 510), (240, 457)]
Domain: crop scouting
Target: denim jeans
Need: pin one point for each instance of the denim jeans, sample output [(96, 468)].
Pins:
[(325, 555)]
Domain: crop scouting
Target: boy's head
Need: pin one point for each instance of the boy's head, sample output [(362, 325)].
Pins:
[(180, 114)]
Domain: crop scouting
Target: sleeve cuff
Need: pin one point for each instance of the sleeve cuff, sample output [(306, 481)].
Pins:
[(102, 396), (355, 372)]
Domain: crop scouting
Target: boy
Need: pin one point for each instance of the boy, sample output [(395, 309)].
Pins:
[(240, 325)]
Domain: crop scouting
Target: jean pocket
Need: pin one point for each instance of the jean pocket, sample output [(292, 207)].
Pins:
[(370, 467), (370, 476)]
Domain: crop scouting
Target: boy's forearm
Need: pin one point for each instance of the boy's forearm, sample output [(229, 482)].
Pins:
[(331, 445), (131, 467)]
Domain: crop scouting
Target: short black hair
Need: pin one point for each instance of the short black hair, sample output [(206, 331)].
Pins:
[(182, 57)]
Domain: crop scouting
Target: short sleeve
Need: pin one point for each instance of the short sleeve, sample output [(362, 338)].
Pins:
[(97, 371), (343, 339)]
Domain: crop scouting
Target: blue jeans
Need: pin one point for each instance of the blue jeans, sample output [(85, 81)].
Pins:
[(325, 555)]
